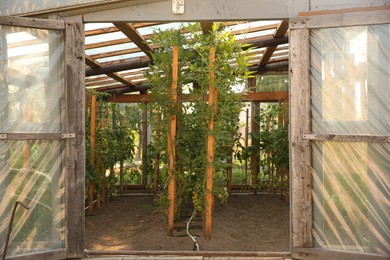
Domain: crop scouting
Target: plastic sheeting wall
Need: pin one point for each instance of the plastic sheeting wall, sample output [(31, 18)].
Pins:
[(350, 78)]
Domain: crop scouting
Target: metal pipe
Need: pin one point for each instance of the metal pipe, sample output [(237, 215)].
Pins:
[(189, 253), (10, 226)]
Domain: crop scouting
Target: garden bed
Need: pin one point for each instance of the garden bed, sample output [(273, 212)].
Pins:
[(246, 223)]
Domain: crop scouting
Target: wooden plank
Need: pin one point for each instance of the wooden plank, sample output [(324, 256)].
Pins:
[(75, 147), (342, 11), (325, 254), (96, 65), (32, 23), (171, 137), (348, 138), (132, 33), (248, 96), (366, 17), (301, 208), (279, 33), (255, 128), (32, 136), (144, 140), (212, 102), (54, 254)]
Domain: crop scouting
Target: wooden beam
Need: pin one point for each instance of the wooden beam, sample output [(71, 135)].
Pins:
[(212, 102), (279, 33), (133, 64), (96, 65), (246, 97), (132, 33), (325, 254), (300, 168), (171, 137), (207, 26)]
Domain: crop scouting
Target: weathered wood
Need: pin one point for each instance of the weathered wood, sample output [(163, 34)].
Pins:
[(212, 102), (134, 64), (155, 172), (132, 33), (279, 33), (32, 136), (75, 157), (171, 137), (348, 138), (32, 23), (300, 149), (207, 26), (342, 11), (248, 96), (365, 17), (325, 254), (54, 254)]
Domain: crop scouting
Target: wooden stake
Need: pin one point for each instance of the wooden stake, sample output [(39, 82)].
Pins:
[(155, 173), (92, 158), (171, 136), (144, 140), (213, 99), (246, 146)]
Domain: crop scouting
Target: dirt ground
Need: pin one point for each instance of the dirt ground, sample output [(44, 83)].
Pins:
[(246, 223)]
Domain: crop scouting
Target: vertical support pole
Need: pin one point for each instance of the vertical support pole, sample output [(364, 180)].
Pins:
[(301, 206), (155, 172), (254, 130), (26, 145), (144, 141), (75, 177), (213, 99), (92, 155), (246, 146), (171, 136)]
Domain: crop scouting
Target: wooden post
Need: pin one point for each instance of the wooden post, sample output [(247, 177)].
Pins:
[(254, 129), (155, 172), (213, 99), (26, 145), (171, 136), (300, 169), (144, 140), (246, 146), (92, 158)]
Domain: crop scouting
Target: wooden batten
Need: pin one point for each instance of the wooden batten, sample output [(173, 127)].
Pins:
[(213, 99), (144, 141), (171, 136), (300, 148)]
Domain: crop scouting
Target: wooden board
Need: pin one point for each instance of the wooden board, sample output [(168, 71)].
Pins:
[(300, 148), (213, 99), (75, 147), (325, 254)]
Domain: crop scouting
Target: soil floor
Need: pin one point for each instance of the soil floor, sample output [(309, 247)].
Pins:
[(246, 223)]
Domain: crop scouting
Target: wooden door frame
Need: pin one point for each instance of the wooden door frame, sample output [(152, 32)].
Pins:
[(300, 128), (73, 137)]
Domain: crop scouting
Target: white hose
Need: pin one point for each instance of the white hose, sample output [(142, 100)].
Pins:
[(196, 245)]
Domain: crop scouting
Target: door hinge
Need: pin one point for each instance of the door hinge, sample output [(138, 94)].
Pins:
[(178, 6), (3, 136)]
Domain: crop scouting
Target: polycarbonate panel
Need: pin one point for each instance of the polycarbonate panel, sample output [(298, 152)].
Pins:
[(31, 80), (350, 78), (32, 172), (351, 196)]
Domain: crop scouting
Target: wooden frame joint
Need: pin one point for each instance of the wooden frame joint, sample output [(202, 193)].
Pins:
[(3, 136)]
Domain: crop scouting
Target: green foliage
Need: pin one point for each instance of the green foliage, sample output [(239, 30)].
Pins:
[(193, 117), (114, 139), (272, 83)]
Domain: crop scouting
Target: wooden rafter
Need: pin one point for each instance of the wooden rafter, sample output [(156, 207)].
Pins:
[(131, 32), (279, 33), (96, 65)]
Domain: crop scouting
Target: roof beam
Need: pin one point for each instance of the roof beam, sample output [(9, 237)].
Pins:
[(134, 64), (132, 33), (96, 65), (279, 33)]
